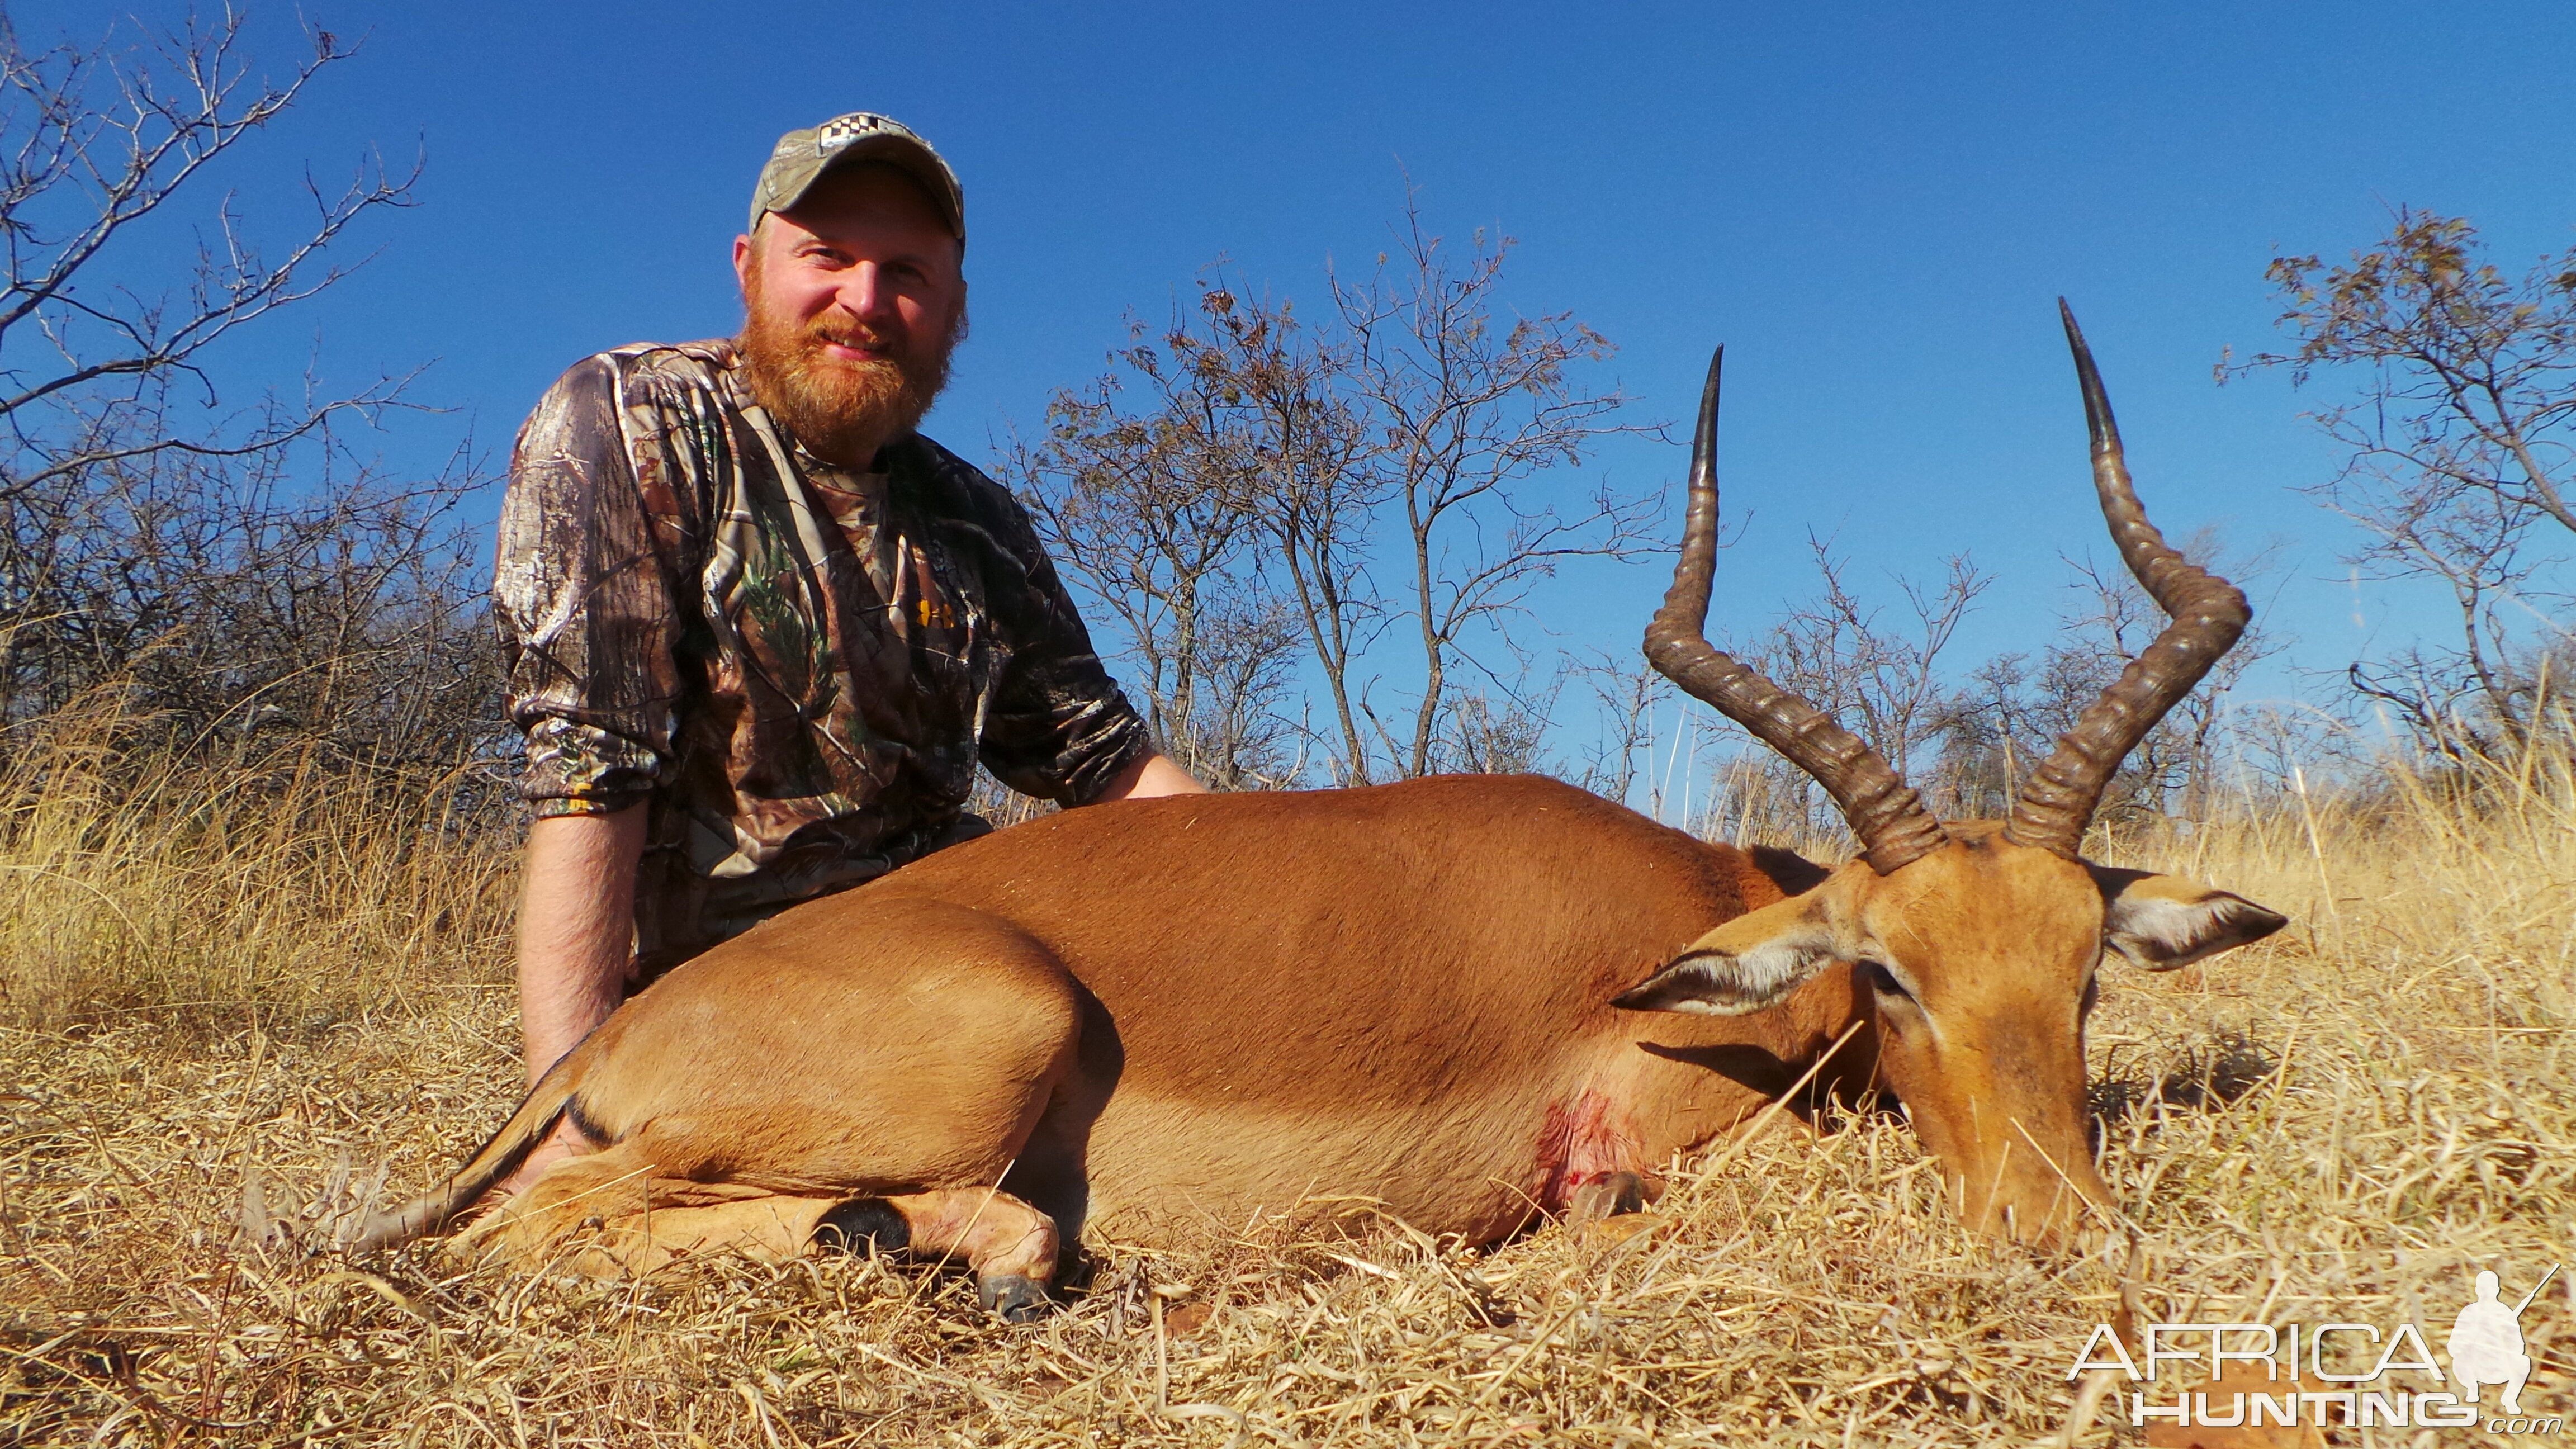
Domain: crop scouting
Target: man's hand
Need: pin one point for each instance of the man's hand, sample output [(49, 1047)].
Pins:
[(1149, 777), (576, 938)]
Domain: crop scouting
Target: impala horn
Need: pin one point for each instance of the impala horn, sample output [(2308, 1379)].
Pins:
[(2208, 612), (1884, 812)]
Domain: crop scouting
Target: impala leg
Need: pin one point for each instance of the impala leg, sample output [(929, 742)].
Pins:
[(1010, 1245), (620, 1212), (752, 1095), (695, 1219), (534, 1228)]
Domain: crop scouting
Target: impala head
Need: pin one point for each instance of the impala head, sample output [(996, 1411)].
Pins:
[(1979, 940)]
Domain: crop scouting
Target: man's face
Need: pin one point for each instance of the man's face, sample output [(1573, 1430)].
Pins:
[(852, 302)]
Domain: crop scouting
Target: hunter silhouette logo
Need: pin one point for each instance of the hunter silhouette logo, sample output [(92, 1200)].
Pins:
[(2486, 1343), (2485, 1348)]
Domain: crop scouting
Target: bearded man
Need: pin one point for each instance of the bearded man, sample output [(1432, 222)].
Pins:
[(758, 630)]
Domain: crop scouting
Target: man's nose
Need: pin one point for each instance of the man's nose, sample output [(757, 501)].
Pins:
[(864, 293)]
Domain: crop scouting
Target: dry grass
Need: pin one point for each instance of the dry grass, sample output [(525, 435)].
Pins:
[(276, 898), (2399, 1060)]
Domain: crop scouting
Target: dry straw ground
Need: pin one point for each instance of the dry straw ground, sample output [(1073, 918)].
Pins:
[(289, 985)]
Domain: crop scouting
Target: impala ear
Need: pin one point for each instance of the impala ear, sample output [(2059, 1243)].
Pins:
[(2163, 921), (1745, 965)]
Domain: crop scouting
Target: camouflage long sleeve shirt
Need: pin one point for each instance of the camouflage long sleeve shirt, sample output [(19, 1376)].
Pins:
[(796, 666)]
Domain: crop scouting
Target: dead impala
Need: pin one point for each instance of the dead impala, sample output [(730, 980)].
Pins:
[(1476, 999)]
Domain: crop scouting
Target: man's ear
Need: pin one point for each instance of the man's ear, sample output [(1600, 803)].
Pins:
[(1745, 965), (2163, 921)]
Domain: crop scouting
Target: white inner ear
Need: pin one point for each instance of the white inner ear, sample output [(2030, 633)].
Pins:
[(1724, 983), (2161, 934)]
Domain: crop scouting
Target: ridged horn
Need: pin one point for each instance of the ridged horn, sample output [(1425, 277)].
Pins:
[(1889, 817), (2209, 615)]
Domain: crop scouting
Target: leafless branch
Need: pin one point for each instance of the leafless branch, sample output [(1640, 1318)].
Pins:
[(1468, 402), (2459, 449), (221, 556)]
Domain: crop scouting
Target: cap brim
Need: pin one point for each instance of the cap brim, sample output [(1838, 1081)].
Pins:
[(908, 156)]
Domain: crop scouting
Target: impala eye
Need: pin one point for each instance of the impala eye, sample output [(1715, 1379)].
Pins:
[(1883, 981)]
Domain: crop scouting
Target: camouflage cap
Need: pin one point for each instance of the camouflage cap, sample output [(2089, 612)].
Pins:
[(802, 158)]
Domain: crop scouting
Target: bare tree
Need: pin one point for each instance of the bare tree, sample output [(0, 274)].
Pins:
[(1628, 692), (1151, 508), (102, 144), (1884, 678), (2460, 464), (1310, 488), (1466, 403), (2009, 711), (1886, 683), (1497, 735), (233, 562), (1265, 474), (2173, 770)]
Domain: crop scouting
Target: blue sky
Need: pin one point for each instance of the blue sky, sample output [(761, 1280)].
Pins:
[(1873, 205)]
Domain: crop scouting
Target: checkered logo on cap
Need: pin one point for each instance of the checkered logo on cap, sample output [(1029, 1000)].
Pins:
[(838, 132)]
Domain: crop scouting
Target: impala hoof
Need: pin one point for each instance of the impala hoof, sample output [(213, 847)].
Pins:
[(1611, 1195), (1014, 1299)]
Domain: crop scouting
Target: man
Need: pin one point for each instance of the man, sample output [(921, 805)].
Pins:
[(758, 630)]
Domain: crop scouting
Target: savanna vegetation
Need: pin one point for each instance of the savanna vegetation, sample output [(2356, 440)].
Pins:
[(257, 867)]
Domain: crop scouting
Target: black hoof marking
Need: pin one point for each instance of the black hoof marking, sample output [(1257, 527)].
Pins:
[(864, 1225), (1627, 1193), (1612, 1196), (1013, 1299)]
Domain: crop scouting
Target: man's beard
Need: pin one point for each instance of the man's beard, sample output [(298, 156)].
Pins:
[(834, 406)]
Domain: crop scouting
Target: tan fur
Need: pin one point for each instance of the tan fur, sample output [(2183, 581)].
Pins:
[(1999, 944), (1198, 1010)]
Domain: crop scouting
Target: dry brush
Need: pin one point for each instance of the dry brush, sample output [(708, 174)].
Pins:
[(229, 1008)]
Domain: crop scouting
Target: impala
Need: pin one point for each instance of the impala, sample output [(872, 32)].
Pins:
[(1476, 1000)]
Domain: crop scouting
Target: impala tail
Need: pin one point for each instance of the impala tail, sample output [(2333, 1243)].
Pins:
[(545, 1105)]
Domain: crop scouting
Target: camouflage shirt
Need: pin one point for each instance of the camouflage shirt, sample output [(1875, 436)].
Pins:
[(796, 665)]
